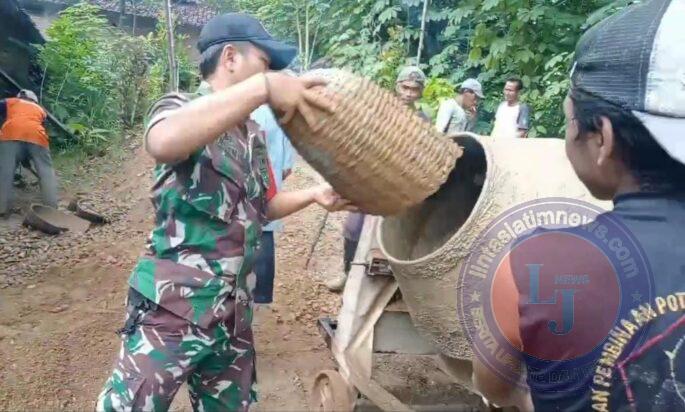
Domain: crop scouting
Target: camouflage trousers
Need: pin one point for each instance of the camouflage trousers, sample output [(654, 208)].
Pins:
[(160, 351)]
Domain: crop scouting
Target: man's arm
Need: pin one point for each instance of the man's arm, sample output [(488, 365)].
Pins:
[(287, 203), (498, 391), (523, 120), (199, 122), (471, 119), (443, 117), (486, 381), (192, 126)]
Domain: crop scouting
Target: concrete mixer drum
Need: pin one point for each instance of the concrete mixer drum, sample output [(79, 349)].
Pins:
[(427, 244)]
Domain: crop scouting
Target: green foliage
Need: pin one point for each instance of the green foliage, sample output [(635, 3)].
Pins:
[(303, 23), (531, 39), (188, 77), (222, 6), (372, 40), (488, 39), (437, 89), (79, 66), (98, 78)]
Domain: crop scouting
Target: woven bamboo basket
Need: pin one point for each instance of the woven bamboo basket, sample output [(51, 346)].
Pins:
[(374, 150)]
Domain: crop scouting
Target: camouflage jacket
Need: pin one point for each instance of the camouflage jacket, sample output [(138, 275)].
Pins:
[(209, 212)]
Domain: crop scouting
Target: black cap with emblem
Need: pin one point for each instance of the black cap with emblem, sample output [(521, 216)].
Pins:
[(244, 27)]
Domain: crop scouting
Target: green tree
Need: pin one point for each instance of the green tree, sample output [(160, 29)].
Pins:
[(222, 6), (101, 79), (487, 39), (372, 39), (304, 23), (82, 71), (532, 39)]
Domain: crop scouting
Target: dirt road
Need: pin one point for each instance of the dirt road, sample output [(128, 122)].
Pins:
[(61, 299)]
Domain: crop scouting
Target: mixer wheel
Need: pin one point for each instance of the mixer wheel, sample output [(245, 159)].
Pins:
[(330, 393)]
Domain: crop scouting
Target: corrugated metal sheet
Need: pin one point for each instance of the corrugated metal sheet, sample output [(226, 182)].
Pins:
[(17, 55)]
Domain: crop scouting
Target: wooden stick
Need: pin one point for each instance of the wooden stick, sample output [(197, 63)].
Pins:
[(322, 225), (173, 68), (50, 116), (423, 31)]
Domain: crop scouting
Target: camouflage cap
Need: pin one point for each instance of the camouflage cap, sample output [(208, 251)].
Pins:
[(412, 73)]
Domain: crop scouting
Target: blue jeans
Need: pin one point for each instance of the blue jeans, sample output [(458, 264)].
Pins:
[(265, 269)]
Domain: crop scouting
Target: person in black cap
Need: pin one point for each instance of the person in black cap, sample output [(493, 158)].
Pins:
[(625, 139), (189, 307)]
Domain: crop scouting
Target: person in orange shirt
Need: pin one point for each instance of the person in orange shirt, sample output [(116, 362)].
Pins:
[(23, 137)]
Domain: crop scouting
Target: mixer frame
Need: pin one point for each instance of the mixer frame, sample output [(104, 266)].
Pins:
[(373, 319)]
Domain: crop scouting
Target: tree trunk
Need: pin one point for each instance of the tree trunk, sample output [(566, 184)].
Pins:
[(122, 12), (313, 44), (320, 20), (305, 60), (133, 11), (299, 32), (173, 69), (423, 30)]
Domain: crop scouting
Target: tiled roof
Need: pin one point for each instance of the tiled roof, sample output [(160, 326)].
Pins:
[(187, 13)]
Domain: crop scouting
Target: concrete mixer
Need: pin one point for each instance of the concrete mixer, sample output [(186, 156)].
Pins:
[(402, 294)]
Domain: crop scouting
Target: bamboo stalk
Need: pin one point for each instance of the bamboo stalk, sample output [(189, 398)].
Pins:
[(322, 225), (423, 30), (173, 69), (305, 63), (299, 32), (122, 13), (135, 15), (322, 18), (42, 83)]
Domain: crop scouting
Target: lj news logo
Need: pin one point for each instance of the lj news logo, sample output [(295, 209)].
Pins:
[(561, 270)]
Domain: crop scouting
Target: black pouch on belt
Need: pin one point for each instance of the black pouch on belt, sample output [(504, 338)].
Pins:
[(136, 306)]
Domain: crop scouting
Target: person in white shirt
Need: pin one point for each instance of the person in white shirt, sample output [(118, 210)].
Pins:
[(458, 114), (513, 117)]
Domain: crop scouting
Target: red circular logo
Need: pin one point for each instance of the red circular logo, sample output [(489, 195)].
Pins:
[(561, 298)]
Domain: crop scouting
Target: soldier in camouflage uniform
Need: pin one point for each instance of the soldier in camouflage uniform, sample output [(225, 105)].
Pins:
[(189, 304)]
